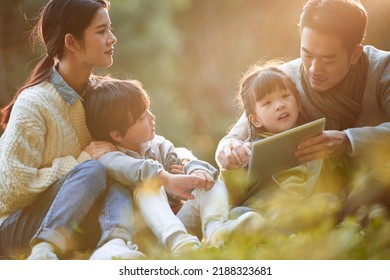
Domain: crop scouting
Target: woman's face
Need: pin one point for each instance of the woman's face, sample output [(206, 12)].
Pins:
[(97, 48)]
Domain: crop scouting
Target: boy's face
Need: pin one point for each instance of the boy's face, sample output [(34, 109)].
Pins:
[(325, 59), (276, 112), (142, 131)]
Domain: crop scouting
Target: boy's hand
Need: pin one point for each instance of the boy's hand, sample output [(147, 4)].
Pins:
[(177, 169), (206, 178), (180, 185)]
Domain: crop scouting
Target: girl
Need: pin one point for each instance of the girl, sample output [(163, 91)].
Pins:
[(50, 192), (271, 104)]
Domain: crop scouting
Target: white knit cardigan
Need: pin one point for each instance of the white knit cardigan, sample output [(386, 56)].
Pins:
[(44, 139)]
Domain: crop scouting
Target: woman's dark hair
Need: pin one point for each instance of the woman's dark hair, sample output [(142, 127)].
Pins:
[(58, 18), (345, 18), (113, 105)]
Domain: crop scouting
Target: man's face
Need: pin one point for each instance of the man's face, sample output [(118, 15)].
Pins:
[(325, 59)]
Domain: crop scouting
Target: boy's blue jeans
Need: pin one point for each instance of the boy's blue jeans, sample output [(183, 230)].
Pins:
[(76, 213)]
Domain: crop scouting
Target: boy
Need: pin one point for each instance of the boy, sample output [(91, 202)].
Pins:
[(118, 111)]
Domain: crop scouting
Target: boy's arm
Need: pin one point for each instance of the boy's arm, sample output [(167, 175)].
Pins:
[(128, 170), (131, 171), (196, 164)]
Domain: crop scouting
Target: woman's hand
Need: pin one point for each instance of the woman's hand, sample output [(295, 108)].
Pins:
[(98, 148)]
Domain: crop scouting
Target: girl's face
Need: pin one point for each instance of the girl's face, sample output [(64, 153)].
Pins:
[(142, 131), (276, 112), (97, 48)]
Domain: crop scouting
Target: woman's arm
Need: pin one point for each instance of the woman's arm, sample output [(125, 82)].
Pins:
[(22, 145)]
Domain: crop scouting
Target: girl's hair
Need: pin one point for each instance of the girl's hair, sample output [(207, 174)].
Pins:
[(261, 80), (58, 18), (113, 105), (345, 18)]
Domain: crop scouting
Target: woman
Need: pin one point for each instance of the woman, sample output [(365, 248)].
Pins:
[(52, 187)]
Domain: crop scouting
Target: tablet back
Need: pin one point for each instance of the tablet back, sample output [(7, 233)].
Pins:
[(276, 153)]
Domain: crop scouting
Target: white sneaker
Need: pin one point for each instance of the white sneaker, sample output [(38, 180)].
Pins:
[(249, 222), (117, 249), (43, 256), (43, 251), (187, 244)]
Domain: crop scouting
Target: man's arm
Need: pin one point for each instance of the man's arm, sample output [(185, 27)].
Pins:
[(231, 152)]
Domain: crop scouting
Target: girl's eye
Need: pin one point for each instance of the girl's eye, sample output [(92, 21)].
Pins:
[(266, 103)]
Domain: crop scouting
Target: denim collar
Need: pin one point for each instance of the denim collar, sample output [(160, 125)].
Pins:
[(67, 93), (146, 151)]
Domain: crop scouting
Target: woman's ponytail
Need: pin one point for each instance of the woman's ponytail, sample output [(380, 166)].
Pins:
[(40, 73)]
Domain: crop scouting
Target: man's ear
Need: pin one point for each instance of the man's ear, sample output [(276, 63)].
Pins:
[(71, 43), (254, 121), (116, 136), (356, 53)]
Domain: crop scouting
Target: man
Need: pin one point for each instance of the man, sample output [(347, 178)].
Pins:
[(349, 84)]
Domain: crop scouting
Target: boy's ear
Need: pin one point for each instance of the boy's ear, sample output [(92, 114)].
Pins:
[(71, 43), (254, 121), (116, 136)]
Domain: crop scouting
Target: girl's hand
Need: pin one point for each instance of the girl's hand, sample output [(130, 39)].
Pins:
[(98, 148)]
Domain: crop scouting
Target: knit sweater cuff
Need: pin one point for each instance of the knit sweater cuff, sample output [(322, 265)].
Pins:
[(83, 156)]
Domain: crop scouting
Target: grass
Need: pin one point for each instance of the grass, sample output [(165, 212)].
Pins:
[(324, 241)]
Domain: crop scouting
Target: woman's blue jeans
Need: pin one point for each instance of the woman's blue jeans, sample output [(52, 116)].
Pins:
[(78, 212)]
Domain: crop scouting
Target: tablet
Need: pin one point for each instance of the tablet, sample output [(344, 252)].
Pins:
[(276, 153)]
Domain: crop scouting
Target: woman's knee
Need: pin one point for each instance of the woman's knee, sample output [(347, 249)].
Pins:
[(92, 174), (93, 168)]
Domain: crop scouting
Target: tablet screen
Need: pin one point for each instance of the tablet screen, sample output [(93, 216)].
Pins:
[(276, 153)]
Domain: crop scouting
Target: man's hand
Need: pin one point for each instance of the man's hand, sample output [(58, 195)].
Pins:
[(328, 144), (234, 154), (98, 148)]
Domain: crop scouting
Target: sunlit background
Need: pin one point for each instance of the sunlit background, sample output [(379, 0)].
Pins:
[(189, 54)]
